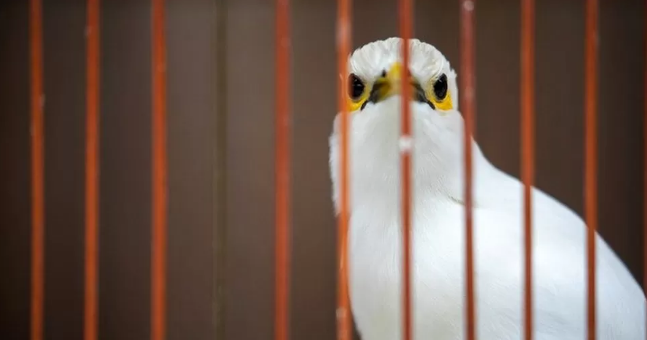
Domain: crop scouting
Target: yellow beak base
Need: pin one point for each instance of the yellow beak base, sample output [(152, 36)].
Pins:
[(389, 84)]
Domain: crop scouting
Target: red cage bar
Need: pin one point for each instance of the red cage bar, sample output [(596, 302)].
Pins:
[(159, 175), (591, 157), (91, 170), (344, 28), (37, 165), (282, 135), (468, 88), (528, 147), (405, 168)]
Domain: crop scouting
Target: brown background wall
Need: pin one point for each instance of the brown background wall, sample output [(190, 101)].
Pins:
[(248, 96)]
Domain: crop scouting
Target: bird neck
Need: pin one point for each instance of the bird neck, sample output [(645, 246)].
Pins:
[(379, 181), (437, 162)]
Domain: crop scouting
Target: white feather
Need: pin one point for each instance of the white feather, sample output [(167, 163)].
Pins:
[(438, 231)]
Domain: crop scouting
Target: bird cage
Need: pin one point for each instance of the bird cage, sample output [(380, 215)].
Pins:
[(165, 164)]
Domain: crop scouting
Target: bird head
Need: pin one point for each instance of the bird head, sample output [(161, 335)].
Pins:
[(375, 72), (374, 97)]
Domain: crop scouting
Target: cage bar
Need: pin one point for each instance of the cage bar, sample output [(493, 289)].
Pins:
[(282, 163), (91, 170), (469, 110), (37, 102), (159, 175), (590, 173), (344, 29), (405, 167), (528, 148)]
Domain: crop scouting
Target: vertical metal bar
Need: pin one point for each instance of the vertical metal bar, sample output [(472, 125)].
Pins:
[(528, 146), (468, 106), (91, 170), (159, 218), (406, 139), (590, 174), (344, 28), (282, 135), (220, 170), (37, 99)]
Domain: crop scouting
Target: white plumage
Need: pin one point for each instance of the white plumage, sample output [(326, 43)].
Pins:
[(438, 266)]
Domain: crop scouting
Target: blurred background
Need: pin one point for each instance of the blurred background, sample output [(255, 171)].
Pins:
[(210, 92)]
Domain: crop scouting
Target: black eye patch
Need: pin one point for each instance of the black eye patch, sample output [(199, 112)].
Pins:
[(440, 87), (355, 87)]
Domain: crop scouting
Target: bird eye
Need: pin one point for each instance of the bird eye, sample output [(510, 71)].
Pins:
[(356, 87), (440, 87)]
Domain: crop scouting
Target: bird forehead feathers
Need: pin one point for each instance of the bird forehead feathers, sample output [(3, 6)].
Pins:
[(425, 61)]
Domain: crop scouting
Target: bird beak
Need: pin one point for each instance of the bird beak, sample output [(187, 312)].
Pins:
[(388, 84)]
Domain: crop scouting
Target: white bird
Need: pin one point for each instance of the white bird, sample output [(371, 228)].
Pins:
[(438, 223)]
